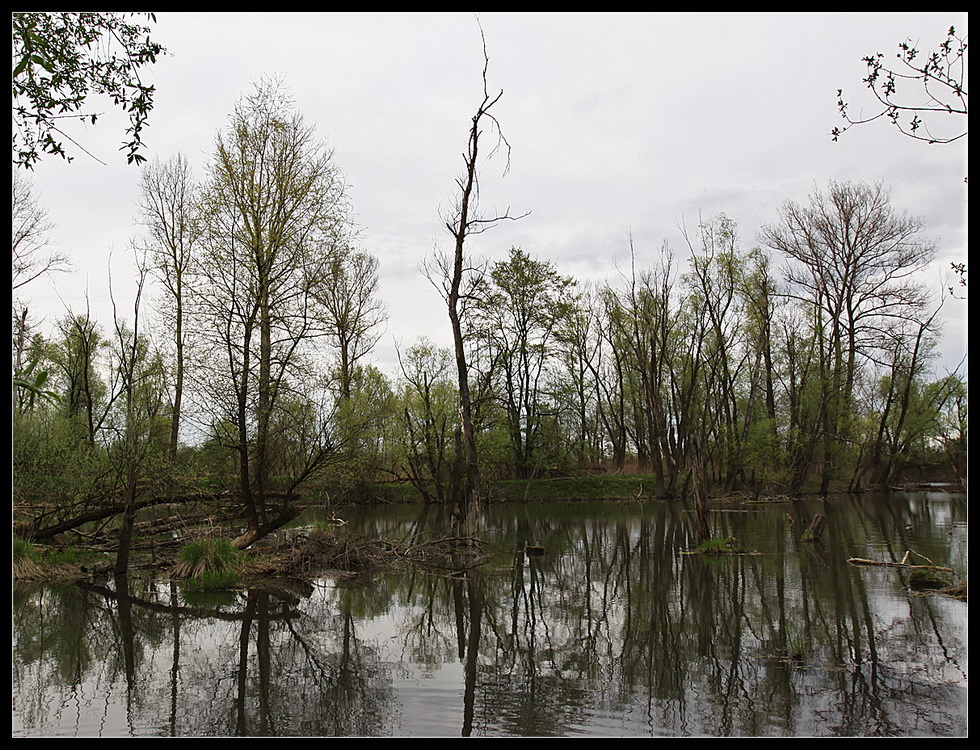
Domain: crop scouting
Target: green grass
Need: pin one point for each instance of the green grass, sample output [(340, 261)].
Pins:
[(718, 546), (209, 564), (25, 550), (212, 580), (38, 562), (606, 487), (798, 648), (209, 551)]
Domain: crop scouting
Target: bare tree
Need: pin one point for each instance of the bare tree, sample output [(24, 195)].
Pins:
[(463, 222), (852, 263), (140, 402), (32, 256), (167, 208)]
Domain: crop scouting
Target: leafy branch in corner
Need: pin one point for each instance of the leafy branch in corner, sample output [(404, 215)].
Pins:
[(59, 60), (939, 89)]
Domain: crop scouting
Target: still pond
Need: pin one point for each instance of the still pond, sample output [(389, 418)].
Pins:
[(614, 631)]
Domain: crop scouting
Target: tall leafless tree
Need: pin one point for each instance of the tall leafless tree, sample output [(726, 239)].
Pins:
[(853, 262), (464, 221), (167, 208)]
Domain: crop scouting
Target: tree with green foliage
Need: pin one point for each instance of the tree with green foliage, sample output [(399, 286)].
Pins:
[(31, 363), (86, 397), (92, 453), (907, 405), (951, 429), (575, 383), (429, 408), (515, 323), (363, 425), (612, 375), (273, 207), (60, 61), (353, 315), (662, 369), (714, 285)]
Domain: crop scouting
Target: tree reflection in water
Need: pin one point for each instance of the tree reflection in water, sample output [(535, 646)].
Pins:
[(613, 631)]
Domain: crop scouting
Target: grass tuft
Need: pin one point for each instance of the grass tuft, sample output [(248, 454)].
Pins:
[(209, 564)]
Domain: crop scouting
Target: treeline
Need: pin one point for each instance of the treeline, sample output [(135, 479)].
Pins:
[(803, 364)]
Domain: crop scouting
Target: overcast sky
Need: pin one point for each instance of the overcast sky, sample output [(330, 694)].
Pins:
[(620, 125)]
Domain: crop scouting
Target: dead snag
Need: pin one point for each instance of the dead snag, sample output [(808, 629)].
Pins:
[(815, 529)]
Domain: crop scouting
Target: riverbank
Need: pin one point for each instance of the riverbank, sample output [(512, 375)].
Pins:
[(160, 542), (610, 487), (606, 487)]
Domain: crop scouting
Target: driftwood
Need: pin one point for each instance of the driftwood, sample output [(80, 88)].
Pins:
[(921, 577), (906, 566), (251, 536)]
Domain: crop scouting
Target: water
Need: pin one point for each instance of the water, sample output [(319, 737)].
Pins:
[(614, 631)]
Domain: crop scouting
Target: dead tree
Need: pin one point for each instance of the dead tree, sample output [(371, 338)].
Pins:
[(463, 222)]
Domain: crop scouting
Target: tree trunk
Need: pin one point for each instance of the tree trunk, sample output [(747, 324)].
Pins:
[(128, 519), (251, 536), (700, 489), (461, 225), (179, 381)]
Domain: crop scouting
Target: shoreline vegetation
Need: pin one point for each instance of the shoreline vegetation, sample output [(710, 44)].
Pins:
[(192, 546)]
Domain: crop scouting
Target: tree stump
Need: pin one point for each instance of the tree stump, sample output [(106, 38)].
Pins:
[(815, 529)]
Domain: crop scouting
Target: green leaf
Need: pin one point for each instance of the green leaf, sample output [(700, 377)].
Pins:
[(20, 66)]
